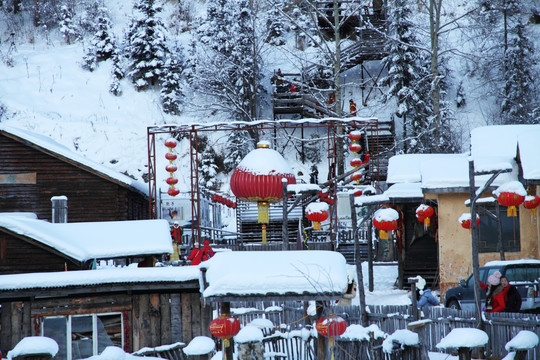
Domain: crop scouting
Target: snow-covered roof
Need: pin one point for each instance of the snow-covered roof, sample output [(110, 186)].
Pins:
[(492, 148), (50, 146), (315, 274), (177, 274), (93, 240)]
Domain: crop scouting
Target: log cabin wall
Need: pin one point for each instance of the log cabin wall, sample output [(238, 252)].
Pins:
[(30, 177), (150, 319), (18, 256)]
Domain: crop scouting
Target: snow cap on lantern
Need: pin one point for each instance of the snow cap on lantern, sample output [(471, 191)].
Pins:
[(258, 178), (511, 194), (424, 213), (531, 202), (385, 220), (465, 220), (317, 212)]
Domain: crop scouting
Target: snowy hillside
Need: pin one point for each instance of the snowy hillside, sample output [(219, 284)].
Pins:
[(44, 88)]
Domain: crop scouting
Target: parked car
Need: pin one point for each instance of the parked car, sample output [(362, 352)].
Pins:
[(523, 274)]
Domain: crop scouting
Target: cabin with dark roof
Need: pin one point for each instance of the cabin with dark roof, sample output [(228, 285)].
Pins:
[(33, 169)]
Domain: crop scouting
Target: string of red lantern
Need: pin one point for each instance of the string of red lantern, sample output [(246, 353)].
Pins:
[(224, 327), (355, 148), (171, 168), (223, 200)]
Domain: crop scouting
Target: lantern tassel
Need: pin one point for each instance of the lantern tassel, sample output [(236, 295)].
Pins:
[(511, 211), (427, 222), (383, 235), (226, 344), (331, 345), (316, 225), (263, 207), (264, 234)]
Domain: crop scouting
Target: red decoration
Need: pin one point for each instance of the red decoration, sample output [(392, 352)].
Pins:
[(355, 135), (171, 143), (173, 192), (224, 327), (317, 217), (358, 193), (331, 326), (466, 222), (385, 220), (424, 214), (171, 168), (531, 203), (355, 148), (511, 200), (172, 181), (170, 156), (356, 177), (356, 162)]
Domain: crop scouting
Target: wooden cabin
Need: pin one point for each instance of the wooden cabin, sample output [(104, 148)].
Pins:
[(33, 169), (85, 311)]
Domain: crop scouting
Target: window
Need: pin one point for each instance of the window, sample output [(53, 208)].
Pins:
[(489, 233), (89, 335)]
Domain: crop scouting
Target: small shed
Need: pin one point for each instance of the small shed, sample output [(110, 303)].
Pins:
[(31, 245), (34, 168), (85, 311)]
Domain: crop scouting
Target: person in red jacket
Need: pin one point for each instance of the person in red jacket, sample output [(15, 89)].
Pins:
[(196, 255), (496, 293), (207, 251)]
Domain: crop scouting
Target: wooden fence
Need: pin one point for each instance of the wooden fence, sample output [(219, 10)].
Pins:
[(500, 327)]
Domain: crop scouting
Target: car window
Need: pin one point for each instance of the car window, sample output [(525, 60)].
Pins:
[(470, 280), (517, 274), (490, 272), (534, 273)]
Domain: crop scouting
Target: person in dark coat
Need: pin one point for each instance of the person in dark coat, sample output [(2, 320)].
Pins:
[(513, 299), (495, 293), (196, 255)]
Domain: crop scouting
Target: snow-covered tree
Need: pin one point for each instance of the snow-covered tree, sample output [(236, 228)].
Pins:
[(520, 96), (171, 92), (226, 61), (117, 74), (408, 77), (103, 40), (67, 26), (146, 48), (239, 144)]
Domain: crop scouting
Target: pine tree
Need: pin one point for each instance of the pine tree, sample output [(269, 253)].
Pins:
[(520, 95), (171, 93), (226, 62), (67, 27), (117, 74), (103, 40), (408, 80), (146, 48)]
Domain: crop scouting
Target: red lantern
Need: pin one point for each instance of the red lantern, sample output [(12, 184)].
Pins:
[(355, 135), (171, 168), (170, 143), (317, 212), (465, 221), (385, 220), (170, 156), (355, 148), (224, 327), (331, 326), (356, 177), (173, 192), (356, 162), (531, 203), (358, 193), (258, 178), (511, 194), (172, 181), (424, 214)]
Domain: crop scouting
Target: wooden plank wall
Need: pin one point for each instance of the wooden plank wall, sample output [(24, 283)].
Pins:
[(90, 197), (155, 318)]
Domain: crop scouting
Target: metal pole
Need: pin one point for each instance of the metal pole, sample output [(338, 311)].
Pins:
[(284, 227), (358, 262), (500, 246)]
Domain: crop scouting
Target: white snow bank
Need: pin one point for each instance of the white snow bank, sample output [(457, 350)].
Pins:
[(34, 345), (525, 339), (200, 345), (464, 337)]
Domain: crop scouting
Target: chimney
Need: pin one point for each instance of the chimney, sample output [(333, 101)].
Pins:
[(59, 209)]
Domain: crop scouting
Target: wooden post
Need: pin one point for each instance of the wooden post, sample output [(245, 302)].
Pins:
[(284, 227), (464, 353), (370, 250), (413, 282), (358, 262)]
